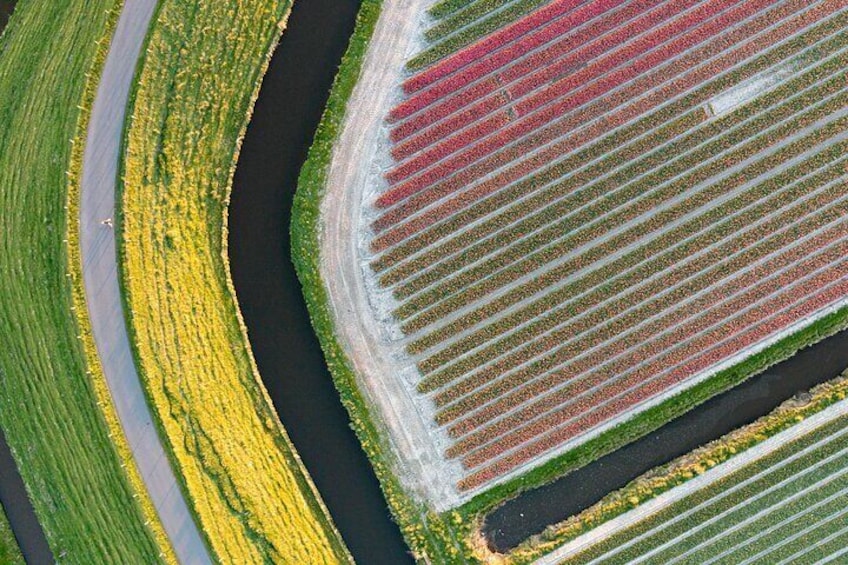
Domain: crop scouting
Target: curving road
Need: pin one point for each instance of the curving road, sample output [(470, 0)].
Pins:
[(102, 291)]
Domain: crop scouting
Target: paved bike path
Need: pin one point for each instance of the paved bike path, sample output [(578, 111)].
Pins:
[(102, 290)]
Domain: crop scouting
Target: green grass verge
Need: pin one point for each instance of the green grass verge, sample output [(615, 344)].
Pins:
[(431, 536), (194, 92), (10, 553), (49, 406)]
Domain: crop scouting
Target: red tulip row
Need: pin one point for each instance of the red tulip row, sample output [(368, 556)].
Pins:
[(525, 384), (567, 53), (445, 186), (639, 56), (569, 28), (485, 46), (659, 335), (475, 243), (609, 281), (740, 341), (640, 205), (538, 353)]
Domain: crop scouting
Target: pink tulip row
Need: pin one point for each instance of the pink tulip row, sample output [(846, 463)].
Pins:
[(568, 28), (582, 384), (575, 45), (551, 203), (537, 353), (579, 88), (562, 216), (546, 314), (553, 277), (805, 306), (554, 80), (442, 183), (653, 224), (493, 42)]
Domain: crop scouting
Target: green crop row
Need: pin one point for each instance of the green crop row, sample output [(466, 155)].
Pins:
[(717, 497), (656, 222), (459, 222), (470, 34), (683, 142), (466, 16)]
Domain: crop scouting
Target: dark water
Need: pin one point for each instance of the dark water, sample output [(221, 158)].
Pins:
[(532, 511), (6, 7), (290, 361), (19, 510)]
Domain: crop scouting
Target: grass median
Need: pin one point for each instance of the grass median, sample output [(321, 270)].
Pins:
[(194, 92)]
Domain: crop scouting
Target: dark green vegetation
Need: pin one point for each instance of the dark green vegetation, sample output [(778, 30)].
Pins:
[(10, 553), (49, 408)]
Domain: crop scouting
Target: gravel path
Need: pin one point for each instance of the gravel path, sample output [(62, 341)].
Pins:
[(354, 177), (100, 274)]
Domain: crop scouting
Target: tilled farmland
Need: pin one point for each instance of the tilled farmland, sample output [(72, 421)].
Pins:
[(594, 205)]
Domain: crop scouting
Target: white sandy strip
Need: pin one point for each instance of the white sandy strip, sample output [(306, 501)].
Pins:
[(676, 494), (354, 177)]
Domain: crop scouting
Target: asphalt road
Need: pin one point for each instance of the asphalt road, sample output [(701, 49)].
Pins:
[(100, 275)]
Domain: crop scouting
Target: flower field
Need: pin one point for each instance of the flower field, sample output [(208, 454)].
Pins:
[(785, 507), (593, 205)]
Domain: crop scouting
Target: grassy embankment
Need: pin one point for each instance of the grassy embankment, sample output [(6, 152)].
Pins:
[(10, 553), (426, 532), (56, 414), (193, 95)]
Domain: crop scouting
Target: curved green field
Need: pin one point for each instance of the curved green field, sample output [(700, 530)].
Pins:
[(49, 404)]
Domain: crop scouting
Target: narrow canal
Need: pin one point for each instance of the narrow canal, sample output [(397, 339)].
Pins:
[(531, 512), (290, 361)]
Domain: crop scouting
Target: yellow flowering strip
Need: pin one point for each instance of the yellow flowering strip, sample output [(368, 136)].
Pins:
[(201, 72)]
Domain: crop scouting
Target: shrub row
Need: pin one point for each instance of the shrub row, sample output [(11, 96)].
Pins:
[(759, 331), (659, 335), (476, 242), (642, 203), (692, 78)]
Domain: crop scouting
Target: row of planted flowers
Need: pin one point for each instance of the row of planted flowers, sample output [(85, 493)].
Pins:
[(646, 200), (563, 198), (605, 369), (800, 305), (591, 80), (438, 183), (768, 229)]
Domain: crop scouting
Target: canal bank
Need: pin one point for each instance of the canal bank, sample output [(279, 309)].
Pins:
[(290, 361), (531, 512)]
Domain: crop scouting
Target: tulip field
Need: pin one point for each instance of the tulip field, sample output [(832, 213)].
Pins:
[(786, 507), (593, 205)]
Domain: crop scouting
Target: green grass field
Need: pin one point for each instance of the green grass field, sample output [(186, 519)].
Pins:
[(201, 72), (49, 405), (10, 553)]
